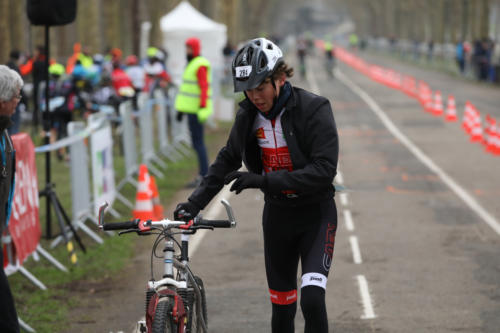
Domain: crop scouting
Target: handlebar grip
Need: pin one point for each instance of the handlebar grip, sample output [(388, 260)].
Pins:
[(120, 225), (214, 223)]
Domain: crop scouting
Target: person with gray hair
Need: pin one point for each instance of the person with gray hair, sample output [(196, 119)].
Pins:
[(10, 94)]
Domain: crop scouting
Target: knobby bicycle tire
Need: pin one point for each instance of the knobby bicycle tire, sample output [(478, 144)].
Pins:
[(163, 321), (194, 322)]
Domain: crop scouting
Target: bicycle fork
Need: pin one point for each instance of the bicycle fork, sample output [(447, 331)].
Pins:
[(166, 287)]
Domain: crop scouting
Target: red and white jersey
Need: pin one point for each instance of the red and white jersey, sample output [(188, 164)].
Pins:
[(271, 139)]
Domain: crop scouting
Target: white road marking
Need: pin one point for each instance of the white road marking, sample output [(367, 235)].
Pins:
[(366, 299), (356, 253), (311, 79), (452, 184), (213, 212), (343, 199), (349, 224), (353, 240)]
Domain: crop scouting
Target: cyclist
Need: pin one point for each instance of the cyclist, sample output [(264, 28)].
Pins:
[(329, 58), (301, 54), (288, 140)]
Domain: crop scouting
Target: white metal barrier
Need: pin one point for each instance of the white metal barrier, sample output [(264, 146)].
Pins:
[(147, 135)]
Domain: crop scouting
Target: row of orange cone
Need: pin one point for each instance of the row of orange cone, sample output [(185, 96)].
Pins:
[(471, 122), (421, 91), (147, 200)]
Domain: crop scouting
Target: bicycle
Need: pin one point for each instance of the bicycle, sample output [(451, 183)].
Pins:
[(177, 302)]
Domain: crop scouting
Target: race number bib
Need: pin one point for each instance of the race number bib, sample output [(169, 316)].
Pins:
[(243, 71)]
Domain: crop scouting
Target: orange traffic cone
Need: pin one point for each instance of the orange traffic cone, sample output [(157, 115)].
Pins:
[(451, 109), (489, 130), (496, 149), (157, 207), (468, 117), (476, 134), (493, 141), (491, 146), (438, 104), (143, 199), (428, 105)]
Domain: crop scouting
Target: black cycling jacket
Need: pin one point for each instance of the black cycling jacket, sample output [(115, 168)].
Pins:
[(312, 140)]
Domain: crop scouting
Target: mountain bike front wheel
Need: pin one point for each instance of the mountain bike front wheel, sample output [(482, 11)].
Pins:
[(163, 321)]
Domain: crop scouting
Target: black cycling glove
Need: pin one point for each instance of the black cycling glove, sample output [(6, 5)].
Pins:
[(186, 211), (245, 180)]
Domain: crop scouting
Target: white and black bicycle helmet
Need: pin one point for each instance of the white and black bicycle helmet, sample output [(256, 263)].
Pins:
[(254, 62)]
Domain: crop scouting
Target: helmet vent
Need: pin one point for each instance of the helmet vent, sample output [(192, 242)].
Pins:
[(263, 63), (250, 54)]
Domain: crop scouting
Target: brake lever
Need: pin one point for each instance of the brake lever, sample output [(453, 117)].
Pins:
[(127, 231)]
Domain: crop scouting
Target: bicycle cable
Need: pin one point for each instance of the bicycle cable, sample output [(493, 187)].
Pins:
[(158, 239), (161, 236)]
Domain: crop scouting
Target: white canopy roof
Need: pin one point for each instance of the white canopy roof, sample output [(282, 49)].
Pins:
[(186, 17), (183, 22)]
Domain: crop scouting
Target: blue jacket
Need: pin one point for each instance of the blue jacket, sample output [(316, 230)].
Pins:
[(7, 179)]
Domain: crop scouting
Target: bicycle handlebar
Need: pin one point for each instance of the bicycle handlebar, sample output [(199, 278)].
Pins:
[(146, 226)]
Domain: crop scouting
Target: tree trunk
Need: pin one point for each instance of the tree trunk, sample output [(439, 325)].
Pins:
[(4, 31)]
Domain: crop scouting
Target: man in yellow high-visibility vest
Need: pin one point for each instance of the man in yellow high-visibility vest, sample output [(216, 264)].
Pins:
[(195, 99)]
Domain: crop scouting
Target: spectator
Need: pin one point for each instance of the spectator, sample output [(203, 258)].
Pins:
[(96, 70), (195, 100), (482, 59), (121, 81), (104, 94), (495, 62), (137, 75), (416, 49), (156, 75), (38, 72), (227, 52), (353, 41), (460, 56), (59, 114), (430, 50), (468, 55), (10, 94), (13, 63)]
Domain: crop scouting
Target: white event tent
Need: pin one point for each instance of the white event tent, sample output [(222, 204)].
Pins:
[(183, 22)]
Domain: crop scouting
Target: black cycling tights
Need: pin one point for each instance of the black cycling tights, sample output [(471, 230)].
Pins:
[(305, 233), (283, 317), (312, 303)]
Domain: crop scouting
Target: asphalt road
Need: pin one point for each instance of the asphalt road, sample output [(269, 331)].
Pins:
[(418, 243)]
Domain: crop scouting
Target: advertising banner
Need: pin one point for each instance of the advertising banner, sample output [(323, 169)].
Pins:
[(24, 224), (103, 177)]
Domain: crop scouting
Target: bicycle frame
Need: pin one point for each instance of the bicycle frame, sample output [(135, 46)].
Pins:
[(169, 286)]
